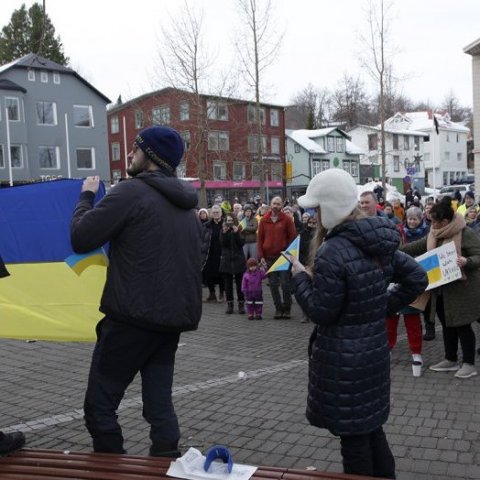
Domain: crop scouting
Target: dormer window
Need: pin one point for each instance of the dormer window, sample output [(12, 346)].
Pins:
[(56, 78), (31, 75), (44, 77)]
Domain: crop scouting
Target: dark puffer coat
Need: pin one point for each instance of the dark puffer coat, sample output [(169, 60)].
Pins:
[(233, 259), (154, 276), (348, 300)]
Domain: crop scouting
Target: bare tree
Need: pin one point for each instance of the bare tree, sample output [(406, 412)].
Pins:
[(378, 62), (350, 102), (457, 112), (311, 107), (185, 63), (257, 47)]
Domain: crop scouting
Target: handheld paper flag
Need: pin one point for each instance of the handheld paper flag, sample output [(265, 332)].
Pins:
[(78, 262), (243, 223), (282, 263)]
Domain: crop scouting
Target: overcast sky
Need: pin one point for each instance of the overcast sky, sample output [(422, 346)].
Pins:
[(113, 44)]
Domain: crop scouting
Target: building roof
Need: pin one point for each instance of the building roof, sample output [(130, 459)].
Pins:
[(136, 100), (398, 131), (31, 60), (473, 48), (6, 84), (306, 139), (423, 122)]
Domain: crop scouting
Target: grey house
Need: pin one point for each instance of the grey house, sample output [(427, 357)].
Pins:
[(53, 121)]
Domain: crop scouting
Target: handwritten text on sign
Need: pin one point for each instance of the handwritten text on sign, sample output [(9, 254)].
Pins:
[(440, 265)]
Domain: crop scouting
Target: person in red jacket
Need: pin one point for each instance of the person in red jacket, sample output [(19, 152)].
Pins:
[(275, 233)]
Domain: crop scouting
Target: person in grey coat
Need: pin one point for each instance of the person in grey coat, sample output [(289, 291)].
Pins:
[(344, 293)]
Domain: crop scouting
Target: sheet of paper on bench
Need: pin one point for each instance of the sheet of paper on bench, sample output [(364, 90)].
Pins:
[(190, 467)]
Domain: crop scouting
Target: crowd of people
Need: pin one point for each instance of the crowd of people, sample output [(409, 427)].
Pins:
[(354, 278)]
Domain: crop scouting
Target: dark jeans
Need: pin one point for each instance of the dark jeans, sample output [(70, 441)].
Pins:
[(121, 351), (212, 280), (228, 282), (368, 455), (279, 280), (451, 336)]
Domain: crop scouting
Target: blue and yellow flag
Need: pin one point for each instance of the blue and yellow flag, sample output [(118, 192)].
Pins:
[(432, 266), (43, 298), (243, 223), (282, 263)]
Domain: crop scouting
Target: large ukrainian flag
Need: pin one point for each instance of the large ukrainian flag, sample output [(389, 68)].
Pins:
[(43, 298)]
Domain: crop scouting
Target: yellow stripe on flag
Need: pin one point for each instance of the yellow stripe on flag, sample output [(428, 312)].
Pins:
[(48, 301)]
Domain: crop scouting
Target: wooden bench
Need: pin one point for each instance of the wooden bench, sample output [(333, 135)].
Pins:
[(54, 465)]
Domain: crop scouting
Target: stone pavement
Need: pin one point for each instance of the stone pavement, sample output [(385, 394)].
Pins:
[(434, 425)]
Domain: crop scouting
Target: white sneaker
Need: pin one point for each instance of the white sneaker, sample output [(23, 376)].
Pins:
[(445, 366), (466, 371)]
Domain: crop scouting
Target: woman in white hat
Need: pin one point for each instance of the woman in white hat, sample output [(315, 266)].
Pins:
[(344, 292)]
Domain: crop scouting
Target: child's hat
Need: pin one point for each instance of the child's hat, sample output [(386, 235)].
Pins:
[(251, 262)]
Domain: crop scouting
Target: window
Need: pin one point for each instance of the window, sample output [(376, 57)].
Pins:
[(426, 157), (325, 165), (447, 137), (184, 111), (216, 110), (274, 122), (161, 115), (316, 166), (46, 113), (373, 141), (252, 143), (186, 139), (83, 116), (2, 161), (43, 76), (416, 142), (219, 170), (458, 138), (238, 171), (331, 144), (340, 144), (114, 124), (116, 175), (406, 142), (56, 78), (275, 145), (138, 119), (252, 114), (354, 168), (85, 158), (13, 108), (395, 141), (115, 151), (48, 157), (396, 163), (297, 148), (17, 157), (346, 165), (459, 156), (218, 141), (447, 156), (31, 75), (276, 173)]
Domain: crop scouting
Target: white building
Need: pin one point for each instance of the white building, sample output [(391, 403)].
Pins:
[(311, 151), (404, 153), (474, 50)]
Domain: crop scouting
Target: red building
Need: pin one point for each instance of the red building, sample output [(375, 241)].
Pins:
[(220, 139)]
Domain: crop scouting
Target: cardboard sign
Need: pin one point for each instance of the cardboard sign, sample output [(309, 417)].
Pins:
[(440, 265)]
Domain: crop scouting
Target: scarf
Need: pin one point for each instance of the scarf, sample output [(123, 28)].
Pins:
[(450, 232), (414, 233)]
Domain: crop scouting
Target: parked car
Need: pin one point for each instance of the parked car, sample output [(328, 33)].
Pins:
[(450, 189)]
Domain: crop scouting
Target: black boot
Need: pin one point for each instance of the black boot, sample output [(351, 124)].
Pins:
[(429, 331), (229, 308), (10, 442), (241, 307), (163, 451)]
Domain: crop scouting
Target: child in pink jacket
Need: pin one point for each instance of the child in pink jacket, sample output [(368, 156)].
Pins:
[(252, 289)]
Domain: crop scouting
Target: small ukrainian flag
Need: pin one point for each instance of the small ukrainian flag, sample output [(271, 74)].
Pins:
[(432, 267), (78, 262), (282, 263)]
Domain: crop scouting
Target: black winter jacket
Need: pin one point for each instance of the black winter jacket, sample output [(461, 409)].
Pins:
[(154, 276), (232, 260), (348, 300)]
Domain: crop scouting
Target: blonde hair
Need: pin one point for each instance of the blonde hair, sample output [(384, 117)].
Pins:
[(321, 233)]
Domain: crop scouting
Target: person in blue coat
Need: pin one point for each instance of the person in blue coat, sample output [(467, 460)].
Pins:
[(344, 292)]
